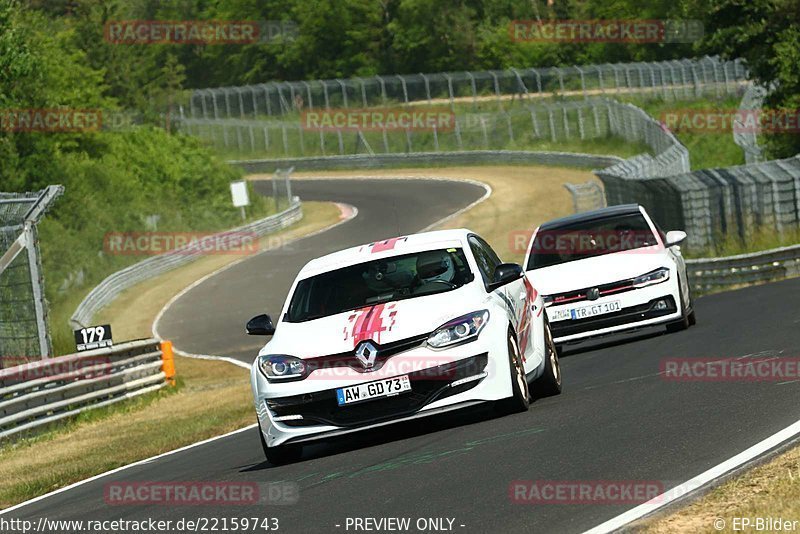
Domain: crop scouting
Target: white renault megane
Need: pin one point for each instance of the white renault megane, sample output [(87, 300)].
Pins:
[(609, 270), (396, 330)]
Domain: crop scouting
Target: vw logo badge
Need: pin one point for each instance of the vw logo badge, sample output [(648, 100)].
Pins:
[(593, 294), (366, 354)]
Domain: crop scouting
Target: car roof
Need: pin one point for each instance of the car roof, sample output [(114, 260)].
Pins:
[(394, 246), (594, 215)]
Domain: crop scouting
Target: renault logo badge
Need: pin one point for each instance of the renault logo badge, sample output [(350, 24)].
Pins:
[(366, 354)]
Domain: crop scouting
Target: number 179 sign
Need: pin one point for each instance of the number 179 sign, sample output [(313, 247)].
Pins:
[(93, 337)]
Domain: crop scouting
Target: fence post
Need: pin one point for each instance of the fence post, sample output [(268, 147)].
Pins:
[(168, 361)]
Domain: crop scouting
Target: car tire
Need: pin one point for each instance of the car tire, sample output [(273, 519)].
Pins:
[(684, 322), (282, 454), (520, 399), (549, 383)]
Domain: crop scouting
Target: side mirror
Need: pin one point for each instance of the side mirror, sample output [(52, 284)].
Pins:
[(260, 325), (504, 274), (675, 237)]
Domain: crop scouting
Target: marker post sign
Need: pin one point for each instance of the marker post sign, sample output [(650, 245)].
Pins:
[(93, 337), (240, 196)]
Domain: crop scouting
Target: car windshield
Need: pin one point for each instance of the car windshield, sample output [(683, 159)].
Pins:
[(378, 281), (585, 239)]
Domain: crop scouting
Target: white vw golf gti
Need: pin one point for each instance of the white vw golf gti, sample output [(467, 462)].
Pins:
[(396, 330), (609, 270)]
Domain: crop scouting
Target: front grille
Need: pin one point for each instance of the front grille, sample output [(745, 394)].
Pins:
[(630, 314), (427, 386), (348, 359), (579, 295)]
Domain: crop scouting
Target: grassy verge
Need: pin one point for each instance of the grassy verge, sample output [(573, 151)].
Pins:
[(768, 490), (707, 150), (760, 239), (105, 438), (131, 314), (131, 431)]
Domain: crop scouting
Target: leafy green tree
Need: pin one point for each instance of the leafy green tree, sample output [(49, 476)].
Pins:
[(766, 34)]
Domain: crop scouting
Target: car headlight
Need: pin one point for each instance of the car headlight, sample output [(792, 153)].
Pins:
[(548, 300), (459, 330), (279, 367), (653, 277)]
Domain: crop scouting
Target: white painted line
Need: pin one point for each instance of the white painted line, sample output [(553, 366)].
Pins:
[(699, 481), (347, 213), (486, 187), (124, 467)]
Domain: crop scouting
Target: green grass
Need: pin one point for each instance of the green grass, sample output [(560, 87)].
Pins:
[(760, 239), (706, 150), (50, 431)]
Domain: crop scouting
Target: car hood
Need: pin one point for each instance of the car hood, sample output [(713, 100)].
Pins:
[(382, 323), (599, 270)]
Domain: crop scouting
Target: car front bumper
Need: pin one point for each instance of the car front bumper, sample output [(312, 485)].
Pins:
[(308, 410), (647, 306)]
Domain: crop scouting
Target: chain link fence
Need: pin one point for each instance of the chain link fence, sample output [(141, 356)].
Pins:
[(526, 125), (264, 121), (23, 308), (586, 196), (714, 203), (679, 79)]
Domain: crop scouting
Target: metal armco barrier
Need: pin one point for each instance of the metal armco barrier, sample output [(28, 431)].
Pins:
[(42, 392), (467, 157), (709, 274), (121, 280)]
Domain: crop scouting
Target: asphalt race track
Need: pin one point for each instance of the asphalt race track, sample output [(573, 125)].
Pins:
[(618, 418), (386, 208)]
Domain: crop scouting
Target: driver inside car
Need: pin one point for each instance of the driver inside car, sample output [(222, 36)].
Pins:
[(434, 267)]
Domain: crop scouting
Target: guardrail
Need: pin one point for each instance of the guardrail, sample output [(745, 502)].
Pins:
[(123, 279), (45, 391), (466, 157), (709, 274)]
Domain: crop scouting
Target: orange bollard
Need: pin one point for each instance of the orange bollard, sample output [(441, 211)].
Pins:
[(168, 361)]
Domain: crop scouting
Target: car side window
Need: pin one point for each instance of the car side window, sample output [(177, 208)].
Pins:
[(485, 257)]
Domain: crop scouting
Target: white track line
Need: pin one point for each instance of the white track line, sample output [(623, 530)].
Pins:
[(699, 481), (124, 467), (486, 188), (348, 213)]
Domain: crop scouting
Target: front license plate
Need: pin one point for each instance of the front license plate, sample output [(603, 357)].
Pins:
[(387, 387), (596, 309)]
